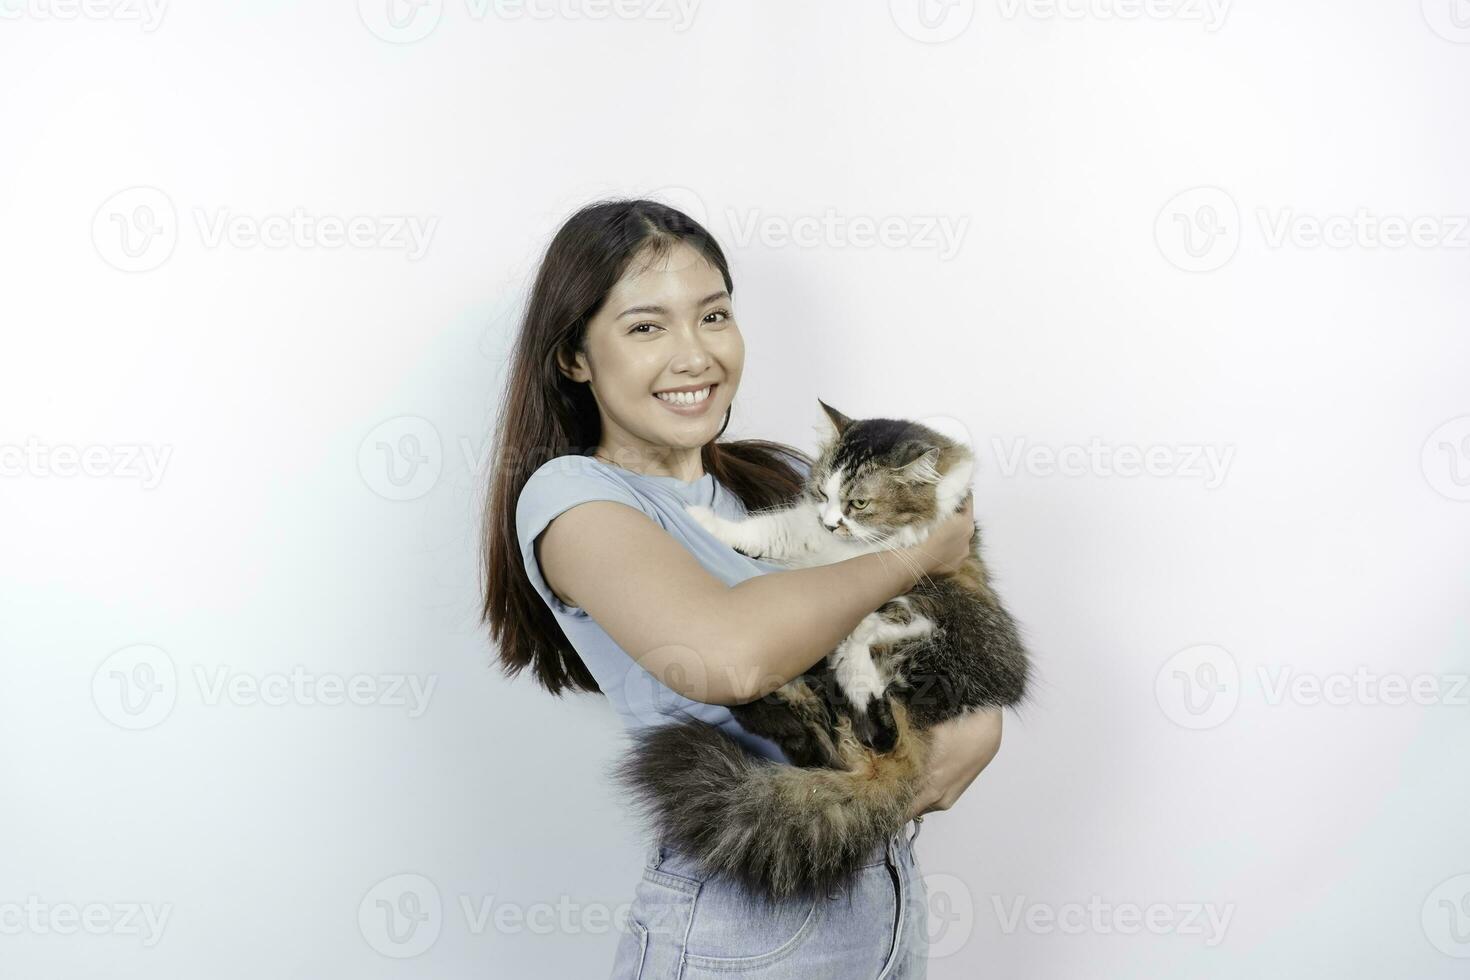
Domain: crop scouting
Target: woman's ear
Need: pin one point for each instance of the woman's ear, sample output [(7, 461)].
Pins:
[(575, 367)]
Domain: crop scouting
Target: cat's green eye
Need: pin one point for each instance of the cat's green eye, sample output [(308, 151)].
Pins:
[(858, 504)]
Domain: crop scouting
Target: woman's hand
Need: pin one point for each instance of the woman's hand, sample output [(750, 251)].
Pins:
[(959, 749), (948, 546)]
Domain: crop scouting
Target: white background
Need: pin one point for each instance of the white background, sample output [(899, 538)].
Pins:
[(1162, 763)]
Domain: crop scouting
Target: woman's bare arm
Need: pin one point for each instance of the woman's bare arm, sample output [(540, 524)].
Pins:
[(708, 641)]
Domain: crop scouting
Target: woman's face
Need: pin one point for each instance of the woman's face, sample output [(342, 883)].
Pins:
[(668, 326)]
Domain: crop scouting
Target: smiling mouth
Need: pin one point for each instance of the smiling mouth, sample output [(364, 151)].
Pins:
[(687, 399)]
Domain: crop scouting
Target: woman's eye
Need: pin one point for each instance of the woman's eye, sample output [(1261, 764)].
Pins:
[(722, 314), (858, 504), (634, 328)]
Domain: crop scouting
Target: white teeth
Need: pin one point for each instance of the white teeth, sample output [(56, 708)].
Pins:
[(684, 397)]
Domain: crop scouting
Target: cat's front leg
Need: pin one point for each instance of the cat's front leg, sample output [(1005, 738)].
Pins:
[(863, 685), (743, 536), (863, 680), (780, 535)]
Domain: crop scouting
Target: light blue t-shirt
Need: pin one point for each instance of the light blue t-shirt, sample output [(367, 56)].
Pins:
[(639, 698)]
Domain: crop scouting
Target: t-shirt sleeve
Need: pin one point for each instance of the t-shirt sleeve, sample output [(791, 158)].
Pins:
[(558, 485)]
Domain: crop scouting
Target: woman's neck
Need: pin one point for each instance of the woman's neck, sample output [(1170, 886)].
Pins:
[(682, 464)]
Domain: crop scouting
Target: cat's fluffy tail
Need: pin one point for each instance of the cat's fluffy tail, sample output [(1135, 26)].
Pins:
[(779, 830)]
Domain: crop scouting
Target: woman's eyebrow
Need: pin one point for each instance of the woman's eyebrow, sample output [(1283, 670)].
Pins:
[(660, 311)]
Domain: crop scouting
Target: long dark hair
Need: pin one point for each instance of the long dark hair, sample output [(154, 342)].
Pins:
[(545, 414)]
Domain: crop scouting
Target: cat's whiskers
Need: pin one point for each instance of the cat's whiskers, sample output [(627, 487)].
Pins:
[(898, 551)]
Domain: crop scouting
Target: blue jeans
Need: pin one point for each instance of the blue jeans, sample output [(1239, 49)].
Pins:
[(685, 924)]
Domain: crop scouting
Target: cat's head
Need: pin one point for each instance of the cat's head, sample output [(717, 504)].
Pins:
[(875, 478)]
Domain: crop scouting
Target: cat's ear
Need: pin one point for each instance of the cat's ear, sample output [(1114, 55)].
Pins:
[(922, 468), (838, 420)]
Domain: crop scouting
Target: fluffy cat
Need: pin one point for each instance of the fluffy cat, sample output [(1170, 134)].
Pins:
[(853, 724)]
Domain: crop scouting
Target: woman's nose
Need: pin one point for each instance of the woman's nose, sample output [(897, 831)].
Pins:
[(693, 356)]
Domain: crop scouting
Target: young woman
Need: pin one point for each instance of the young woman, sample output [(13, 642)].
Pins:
[(621, 382)]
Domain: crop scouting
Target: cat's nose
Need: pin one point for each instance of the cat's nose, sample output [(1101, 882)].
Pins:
[(831, 527)]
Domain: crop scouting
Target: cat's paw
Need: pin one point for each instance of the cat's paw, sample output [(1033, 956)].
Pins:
[(704, 517), (874, 726), (721, 528)]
